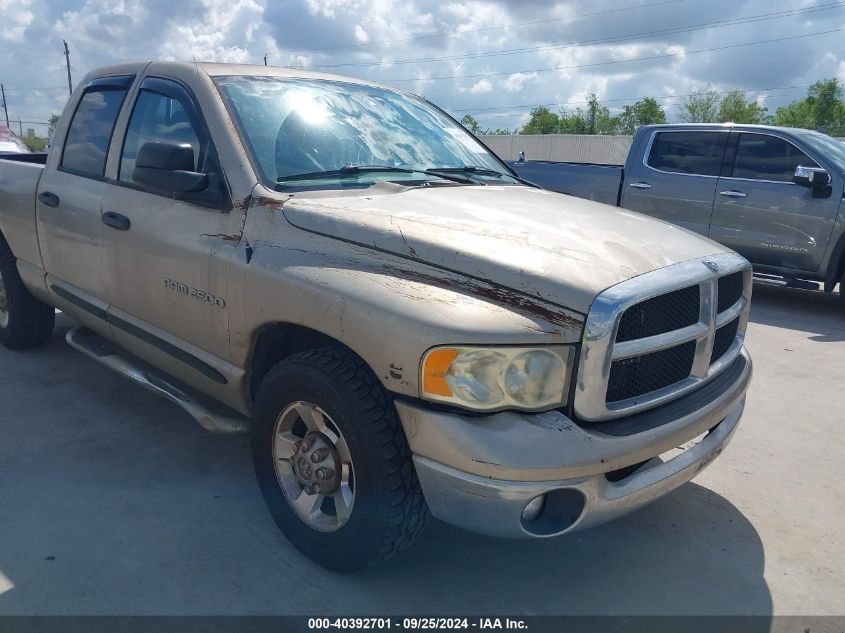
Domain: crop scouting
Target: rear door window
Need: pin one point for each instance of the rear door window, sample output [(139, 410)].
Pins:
[(90, 130), (766, 157), (698, 153)]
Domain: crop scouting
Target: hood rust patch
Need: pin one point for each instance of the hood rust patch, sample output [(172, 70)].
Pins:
[(505, 297)]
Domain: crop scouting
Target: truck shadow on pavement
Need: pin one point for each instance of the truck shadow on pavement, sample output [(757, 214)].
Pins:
[(692, 552), (820, 315), (117, 502)]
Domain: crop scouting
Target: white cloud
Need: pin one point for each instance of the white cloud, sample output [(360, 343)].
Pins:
[(482, 86), (361, 34), (222, 35), (16, 17), (373, 39), (516, 82)]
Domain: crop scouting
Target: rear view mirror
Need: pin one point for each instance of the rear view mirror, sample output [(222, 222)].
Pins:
[(168, 168), (815, 178)]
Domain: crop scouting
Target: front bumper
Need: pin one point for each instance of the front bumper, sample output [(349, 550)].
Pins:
[(479, 473)]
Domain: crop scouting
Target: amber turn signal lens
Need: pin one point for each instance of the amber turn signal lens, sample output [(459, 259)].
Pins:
[(437, 363)]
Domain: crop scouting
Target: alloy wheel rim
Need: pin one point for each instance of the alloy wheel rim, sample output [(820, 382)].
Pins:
[(4, 304), (313, 466)]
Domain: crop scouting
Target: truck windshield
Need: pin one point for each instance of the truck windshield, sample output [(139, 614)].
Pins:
[(830, 148), (305, 132)]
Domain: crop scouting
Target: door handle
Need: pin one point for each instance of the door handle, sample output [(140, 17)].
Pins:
[(116, 221), (733, 193), (640, 185), (49, 198)]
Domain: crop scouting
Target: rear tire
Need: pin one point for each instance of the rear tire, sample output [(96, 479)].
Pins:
[(324, 410), (25, 322)]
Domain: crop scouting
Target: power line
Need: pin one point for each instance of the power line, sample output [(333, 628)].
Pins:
[(490, 28), (668, 96), (619, 61), (36, 88), (518, 51)]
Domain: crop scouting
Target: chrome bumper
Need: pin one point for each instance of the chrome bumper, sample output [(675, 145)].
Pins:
[(479, 473)]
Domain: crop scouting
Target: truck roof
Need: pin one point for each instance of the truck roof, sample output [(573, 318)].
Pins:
[(717, 126), (213, 69)]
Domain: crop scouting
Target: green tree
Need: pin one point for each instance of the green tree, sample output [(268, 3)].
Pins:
[(826, 97), (542, 121), (52, 124), (470, 123), (799, 113), (644, 112), (35, 143), (595, 119), (500, 131), (735, 108), (702, 106), (822, 108)]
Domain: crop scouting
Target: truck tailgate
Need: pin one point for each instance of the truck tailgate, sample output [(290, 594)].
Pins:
[(18, 186)]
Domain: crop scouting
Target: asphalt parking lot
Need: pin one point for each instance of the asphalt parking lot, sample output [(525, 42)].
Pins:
[(115, 502)]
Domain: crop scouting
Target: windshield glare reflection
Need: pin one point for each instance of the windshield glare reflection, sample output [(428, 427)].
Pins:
[(297, 126)]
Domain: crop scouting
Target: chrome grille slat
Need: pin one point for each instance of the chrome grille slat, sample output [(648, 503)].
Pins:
[(658, 342), (731, 313), (604, 361)]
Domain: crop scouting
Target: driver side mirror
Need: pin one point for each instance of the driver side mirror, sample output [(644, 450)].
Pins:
[(815, 178), (168, 168)]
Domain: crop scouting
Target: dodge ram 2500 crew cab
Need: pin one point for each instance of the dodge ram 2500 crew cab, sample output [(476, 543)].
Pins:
[(402, 325), (773, 194)]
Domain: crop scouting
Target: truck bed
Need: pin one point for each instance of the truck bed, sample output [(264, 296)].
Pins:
[(601, 183), (36, 158)]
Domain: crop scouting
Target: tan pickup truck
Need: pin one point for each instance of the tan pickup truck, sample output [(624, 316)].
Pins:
[(402, 324)]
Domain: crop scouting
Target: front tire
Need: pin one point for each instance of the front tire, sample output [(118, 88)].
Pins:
[(25, 322), (332, 461)]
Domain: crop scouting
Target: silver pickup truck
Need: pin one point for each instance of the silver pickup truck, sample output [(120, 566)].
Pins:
[(772, 194), (402, 324)]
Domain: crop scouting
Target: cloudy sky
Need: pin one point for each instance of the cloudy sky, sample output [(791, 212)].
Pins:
[(492, 58)]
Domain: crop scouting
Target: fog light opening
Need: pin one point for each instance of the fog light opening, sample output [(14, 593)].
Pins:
[(554, 512), (533, 509)]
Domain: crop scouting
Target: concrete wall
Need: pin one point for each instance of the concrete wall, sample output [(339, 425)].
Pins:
[(575, 148)]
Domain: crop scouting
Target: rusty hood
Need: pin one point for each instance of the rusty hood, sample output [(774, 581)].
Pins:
[(562, 249)]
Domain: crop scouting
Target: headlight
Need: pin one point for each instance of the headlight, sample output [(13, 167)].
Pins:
[(497, 377)]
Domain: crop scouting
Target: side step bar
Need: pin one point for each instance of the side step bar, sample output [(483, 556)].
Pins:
[(104, 351), (787, 282)]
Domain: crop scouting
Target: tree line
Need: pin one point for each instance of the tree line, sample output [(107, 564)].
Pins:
[(822, 109)]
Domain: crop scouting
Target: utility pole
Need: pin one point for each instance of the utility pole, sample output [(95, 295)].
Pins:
[(67, 61), (5, 109), (20, 127)]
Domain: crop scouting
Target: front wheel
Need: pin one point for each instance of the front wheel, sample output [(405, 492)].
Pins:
[(332, 461)]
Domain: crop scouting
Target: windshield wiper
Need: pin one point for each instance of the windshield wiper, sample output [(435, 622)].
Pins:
[(349, 170), (476, 170), (467, 169)]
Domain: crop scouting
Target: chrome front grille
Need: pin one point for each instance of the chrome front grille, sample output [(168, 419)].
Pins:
[(655, 337)]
